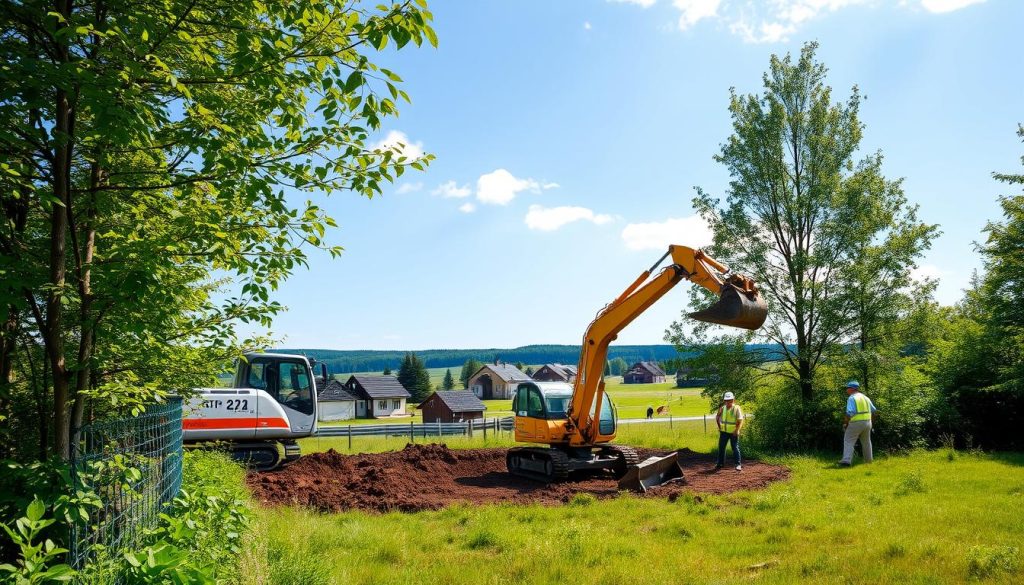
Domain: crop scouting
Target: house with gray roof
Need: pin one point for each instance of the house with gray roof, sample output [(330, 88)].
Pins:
[(335, 402), (378, 396), (644, 373), (496, 381), (555, 373), (452, 406)]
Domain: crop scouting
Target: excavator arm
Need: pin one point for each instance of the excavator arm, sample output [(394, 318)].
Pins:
[(739, 305)]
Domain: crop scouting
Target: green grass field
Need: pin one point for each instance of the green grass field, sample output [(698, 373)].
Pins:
[(631, 400), (924, 517)]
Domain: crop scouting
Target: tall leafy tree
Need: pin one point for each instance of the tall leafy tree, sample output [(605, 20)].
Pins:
[(151, 151), (828, 239), (449, 380)]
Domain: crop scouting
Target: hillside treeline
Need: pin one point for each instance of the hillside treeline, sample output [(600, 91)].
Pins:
[(343, 361)]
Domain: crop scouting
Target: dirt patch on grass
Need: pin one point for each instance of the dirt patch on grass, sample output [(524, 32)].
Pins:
[(429, 477)]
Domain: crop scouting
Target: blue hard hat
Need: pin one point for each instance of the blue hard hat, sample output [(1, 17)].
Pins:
[(853, 384)]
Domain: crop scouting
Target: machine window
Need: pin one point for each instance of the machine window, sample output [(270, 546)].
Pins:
[(295, 387), (534, 403), (557, 405), (257, 375)]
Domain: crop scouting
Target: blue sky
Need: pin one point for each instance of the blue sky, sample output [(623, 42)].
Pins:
[(570, 135)]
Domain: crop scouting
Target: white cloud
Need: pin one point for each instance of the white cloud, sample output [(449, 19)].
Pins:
[(586, 25), (694, 10), (467, 207), (397, 140), (687, 231), (772, 21), (940, 6), (548, 219), (408, 188), (643, 3), (500, 187), (452, 189)]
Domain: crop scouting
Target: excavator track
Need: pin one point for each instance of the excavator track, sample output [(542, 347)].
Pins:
[(626, 457), (539, 464)]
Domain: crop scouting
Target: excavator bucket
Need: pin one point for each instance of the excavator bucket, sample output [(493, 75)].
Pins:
[(735, 308), (651, 472)]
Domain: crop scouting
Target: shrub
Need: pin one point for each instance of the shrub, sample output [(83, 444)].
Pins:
[(986, 561)]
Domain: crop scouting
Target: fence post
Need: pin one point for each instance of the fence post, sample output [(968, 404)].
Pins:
[(350, 437), (670, 422), (439, 430), (705, 424), (469, 425), (412, 433), (485, 430)]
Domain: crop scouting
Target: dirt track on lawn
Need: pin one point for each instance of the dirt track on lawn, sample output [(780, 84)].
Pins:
[(429, 477)]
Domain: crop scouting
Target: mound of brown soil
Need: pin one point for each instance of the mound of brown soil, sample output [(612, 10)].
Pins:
[(428, 477)]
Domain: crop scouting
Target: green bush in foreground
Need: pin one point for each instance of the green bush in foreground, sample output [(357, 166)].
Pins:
[(197, 540)]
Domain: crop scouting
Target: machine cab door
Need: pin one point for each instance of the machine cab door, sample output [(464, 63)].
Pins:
[(531, 417)]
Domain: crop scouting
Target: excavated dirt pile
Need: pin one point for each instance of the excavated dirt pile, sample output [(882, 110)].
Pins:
[(431, 476), (428, 477)]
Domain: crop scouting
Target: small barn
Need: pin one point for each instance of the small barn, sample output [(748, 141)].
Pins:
[(378, 396), (644, 373), (335, 403), (452, 406), (496, 381), (555, 373)]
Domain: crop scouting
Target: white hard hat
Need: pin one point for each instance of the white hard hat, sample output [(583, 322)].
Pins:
[(728, 396)]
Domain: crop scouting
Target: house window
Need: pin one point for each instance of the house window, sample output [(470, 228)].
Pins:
[(382, 404), (396, 404)]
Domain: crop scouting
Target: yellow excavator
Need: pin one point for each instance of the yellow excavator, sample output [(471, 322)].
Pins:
[(577, 421)]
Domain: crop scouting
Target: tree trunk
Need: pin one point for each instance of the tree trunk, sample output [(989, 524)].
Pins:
[(88, 324), (53, 336)]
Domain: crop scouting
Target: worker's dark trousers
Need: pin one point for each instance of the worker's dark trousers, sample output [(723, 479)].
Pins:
[(724, 438)]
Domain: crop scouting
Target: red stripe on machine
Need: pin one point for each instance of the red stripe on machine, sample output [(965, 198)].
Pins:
[(199, 424)]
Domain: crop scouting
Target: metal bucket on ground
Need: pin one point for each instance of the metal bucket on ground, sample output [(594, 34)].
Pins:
[(735, 308), (651, 472)]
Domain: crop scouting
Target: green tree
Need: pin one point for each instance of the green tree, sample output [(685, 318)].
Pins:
[(828, 240), (468, 369), (977, 364), (413, 375), (529, 371), (152, 158), (449, 381), (387, 371), (619, 366)]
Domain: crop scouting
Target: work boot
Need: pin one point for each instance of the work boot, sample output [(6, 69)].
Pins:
[(718, 466), (739, 468)]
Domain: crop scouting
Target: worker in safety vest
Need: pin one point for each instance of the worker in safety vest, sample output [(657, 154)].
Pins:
[(730, 420), (859, 413)]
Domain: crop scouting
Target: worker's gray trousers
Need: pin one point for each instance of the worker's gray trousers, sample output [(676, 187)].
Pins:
[(858, 429)]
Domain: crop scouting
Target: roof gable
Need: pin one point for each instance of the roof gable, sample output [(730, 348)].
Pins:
[(505, 372), (334, 391), (458, 400), (652, 367), (379, 386)]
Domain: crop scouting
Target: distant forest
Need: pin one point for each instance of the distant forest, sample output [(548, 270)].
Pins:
[(347, 361)]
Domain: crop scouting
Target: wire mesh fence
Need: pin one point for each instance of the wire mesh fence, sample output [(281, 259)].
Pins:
[(134, 465)]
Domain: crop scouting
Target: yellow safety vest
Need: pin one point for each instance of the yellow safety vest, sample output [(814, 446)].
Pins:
[(863, 408), (729, 416)]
